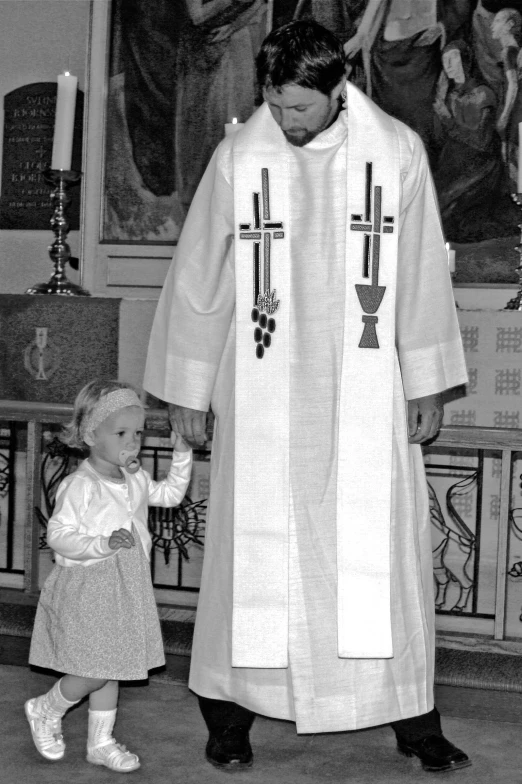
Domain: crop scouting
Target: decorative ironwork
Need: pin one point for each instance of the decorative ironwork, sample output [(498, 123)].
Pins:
[(55, 466), (453, 556), (515, 521), (175, 528), (4, 475)]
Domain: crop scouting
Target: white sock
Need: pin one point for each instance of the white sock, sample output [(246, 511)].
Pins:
[(101, 724), (53, 705)]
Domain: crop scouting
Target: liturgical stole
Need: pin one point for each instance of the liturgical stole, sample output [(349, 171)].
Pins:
[(262, 247)]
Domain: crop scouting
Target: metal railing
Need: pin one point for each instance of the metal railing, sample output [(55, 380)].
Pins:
[(485, 441), (504, 442), (168, 533)]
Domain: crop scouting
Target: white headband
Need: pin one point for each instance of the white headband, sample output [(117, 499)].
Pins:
[(107, 405)]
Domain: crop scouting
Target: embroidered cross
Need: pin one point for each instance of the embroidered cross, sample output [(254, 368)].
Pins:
[(262, 231), (373, 225)]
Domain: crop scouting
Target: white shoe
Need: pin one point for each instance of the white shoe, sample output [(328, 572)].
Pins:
[(114, 756), (46, 732)]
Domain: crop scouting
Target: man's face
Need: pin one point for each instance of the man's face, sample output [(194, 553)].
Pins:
[(302, 113)]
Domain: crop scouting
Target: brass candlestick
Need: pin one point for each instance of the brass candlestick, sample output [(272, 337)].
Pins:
[(60, 252), (516, 302)]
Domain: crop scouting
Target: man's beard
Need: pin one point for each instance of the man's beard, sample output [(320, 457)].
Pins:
[(305, 137), (302, 139)]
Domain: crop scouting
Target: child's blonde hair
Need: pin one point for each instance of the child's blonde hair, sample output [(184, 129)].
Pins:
[(86, 400)]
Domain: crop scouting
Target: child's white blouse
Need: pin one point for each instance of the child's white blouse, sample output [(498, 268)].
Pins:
[(89, 507)]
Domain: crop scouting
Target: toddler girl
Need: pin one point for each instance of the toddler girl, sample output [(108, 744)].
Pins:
[(96, 618)]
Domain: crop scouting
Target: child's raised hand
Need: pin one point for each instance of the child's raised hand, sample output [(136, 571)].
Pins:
[(121, 538), (178, 442)]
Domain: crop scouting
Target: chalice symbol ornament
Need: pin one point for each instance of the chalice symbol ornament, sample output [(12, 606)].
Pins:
[(41, 358), (373, 225)]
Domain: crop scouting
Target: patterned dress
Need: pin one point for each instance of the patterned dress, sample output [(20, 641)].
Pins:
[(99, 621), (97, 615)]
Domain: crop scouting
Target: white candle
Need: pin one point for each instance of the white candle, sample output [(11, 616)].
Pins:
[(519, 173), (451, 258), (64, 121), (232, 127)]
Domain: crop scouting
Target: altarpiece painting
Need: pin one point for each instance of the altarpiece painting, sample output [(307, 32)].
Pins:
[(180, 69)]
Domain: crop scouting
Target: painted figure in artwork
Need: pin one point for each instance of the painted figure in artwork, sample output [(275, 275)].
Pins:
[(166, 121), (469, 171), (507, 28), (497, 38), (401, 44)]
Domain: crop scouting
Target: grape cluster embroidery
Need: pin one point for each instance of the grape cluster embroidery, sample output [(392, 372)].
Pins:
[(266, 304), (261, 231)]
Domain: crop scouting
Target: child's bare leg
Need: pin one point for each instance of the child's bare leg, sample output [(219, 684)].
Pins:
[(105, 698), (75, 687)]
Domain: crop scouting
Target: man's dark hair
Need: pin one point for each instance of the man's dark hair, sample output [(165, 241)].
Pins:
[(303, 53)]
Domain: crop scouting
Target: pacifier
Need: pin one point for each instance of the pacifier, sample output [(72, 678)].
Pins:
[(130, 460)]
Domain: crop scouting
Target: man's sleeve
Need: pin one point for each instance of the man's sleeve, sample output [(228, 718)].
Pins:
[(428, 335), (196, 305)]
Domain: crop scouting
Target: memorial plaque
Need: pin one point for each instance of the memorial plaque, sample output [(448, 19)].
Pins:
[(25, 201)]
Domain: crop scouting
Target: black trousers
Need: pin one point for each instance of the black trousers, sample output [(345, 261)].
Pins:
[(219, 714)]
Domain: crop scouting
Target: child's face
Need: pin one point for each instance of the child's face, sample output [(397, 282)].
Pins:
[(120, 432)]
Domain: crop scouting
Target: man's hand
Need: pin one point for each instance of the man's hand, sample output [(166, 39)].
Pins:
[(189, 423), (424, 418)]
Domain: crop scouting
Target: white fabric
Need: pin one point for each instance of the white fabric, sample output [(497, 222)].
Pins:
[(100, 727), (89, 507), (195, 327), (365, 431), (260, 613), (53, 704)]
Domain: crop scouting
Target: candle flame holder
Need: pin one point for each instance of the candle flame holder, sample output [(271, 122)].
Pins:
[(61, 180), (516, 302)]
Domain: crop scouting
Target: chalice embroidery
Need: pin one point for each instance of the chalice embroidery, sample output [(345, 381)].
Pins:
[(373, 225), (262, 232), (41, 358)]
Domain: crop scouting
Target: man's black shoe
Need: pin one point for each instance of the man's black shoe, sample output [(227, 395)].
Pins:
[(229, 748), (435, 752)]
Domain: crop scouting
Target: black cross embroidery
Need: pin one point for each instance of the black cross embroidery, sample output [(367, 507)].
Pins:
[(264, 301), (370, 295)]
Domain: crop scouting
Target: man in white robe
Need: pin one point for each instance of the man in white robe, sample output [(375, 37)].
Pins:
[(316, 600)]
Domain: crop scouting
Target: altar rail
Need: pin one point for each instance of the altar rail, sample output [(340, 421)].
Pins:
[(505, 442), (37, 416)]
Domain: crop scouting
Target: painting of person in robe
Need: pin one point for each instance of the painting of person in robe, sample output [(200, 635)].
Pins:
[(507, 28), (401, 43), (180, 70), (469, 173), (302, 277)]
